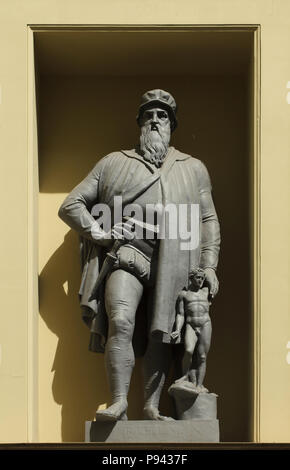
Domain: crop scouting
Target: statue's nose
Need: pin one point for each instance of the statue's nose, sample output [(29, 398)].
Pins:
[(154, 119)]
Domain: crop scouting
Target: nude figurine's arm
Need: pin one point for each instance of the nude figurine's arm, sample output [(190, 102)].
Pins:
[(179, 322)]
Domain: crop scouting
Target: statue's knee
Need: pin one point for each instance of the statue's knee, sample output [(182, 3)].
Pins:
[(120, 325), (189, 351)]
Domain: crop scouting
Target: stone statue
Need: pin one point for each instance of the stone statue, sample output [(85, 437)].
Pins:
[(193, 310), (155, 182)]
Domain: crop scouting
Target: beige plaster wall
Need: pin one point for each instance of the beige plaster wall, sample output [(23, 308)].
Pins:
[(17, 367)]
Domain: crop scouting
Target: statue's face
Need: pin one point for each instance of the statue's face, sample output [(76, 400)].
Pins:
[(198, 279), (156, 119)]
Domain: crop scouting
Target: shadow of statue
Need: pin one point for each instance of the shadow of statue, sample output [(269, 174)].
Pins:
[(79, 382)]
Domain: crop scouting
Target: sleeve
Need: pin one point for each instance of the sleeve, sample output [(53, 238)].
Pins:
[(210, 228), (75, 210)]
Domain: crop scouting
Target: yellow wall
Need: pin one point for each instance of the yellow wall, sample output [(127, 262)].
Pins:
[(18, 367)]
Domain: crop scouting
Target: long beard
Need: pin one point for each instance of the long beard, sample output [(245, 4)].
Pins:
[(154, 144)]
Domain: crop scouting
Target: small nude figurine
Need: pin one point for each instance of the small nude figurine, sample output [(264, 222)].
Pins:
[(193, 309)]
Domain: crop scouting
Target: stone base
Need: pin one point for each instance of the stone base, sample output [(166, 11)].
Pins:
[(192, 405), (187, 431)]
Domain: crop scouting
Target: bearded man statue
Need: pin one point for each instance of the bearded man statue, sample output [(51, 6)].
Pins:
[(152, 175)]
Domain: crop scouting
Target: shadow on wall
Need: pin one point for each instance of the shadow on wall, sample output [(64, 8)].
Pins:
[(77, 372)]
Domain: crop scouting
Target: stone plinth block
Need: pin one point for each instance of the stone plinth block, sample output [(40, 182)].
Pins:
[(192, 405), (197, 430)]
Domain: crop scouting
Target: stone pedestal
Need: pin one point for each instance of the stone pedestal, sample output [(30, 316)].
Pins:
[(187, 431), (191, 405)]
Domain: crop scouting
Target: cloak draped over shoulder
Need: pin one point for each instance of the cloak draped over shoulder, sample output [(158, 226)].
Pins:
[(182, 179)]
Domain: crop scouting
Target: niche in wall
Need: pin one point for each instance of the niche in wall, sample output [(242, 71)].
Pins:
[(89, 88)]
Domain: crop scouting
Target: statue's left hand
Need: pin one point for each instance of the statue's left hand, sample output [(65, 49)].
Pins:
[(212, 282)]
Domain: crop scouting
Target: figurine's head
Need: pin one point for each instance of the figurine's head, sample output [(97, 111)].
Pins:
[(197, 277), (157, 120)]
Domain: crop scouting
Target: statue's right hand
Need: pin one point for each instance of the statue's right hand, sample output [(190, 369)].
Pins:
[(123, 231), (175, 334), (120, 231)]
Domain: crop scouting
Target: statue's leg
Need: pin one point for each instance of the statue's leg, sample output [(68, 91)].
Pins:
[(190, 340), (122, 295), (156, 366), (202, 351)]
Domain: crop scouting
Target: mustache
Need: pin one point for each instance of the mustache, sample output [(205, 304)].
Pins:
[(155, 132), (154, 127)]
